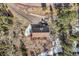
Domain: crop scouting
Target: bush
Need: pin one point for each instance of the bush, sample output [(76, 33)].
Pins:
[(8, 21)]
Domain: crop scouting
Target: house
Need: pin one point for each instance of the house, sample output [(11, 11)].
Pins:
[(38, 31)]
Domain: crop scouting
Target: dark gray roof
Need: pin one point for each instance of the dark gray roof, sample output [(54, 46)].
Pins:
[(41, 27)]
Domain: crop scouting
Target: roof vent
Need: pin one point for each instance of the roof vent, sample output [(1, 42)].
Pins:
[(43, 23), (41, 29)]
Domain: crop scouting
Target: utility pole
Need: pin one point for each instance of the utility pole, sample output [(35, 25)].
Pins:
[(78, 13), (51, 12), (43, 5)]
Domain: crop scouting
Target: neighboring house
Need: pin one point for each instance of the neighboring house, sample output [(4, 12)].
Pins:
[(57, 49), (75, 48), (77, 30)]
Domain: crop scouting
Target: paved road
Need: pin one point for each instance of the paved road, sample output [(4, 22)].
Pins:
[(31, 18)]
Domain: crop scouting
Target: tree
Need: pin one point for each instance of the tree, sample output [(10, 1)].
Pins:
[(5, 48), (43, 5), (23, 49)]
